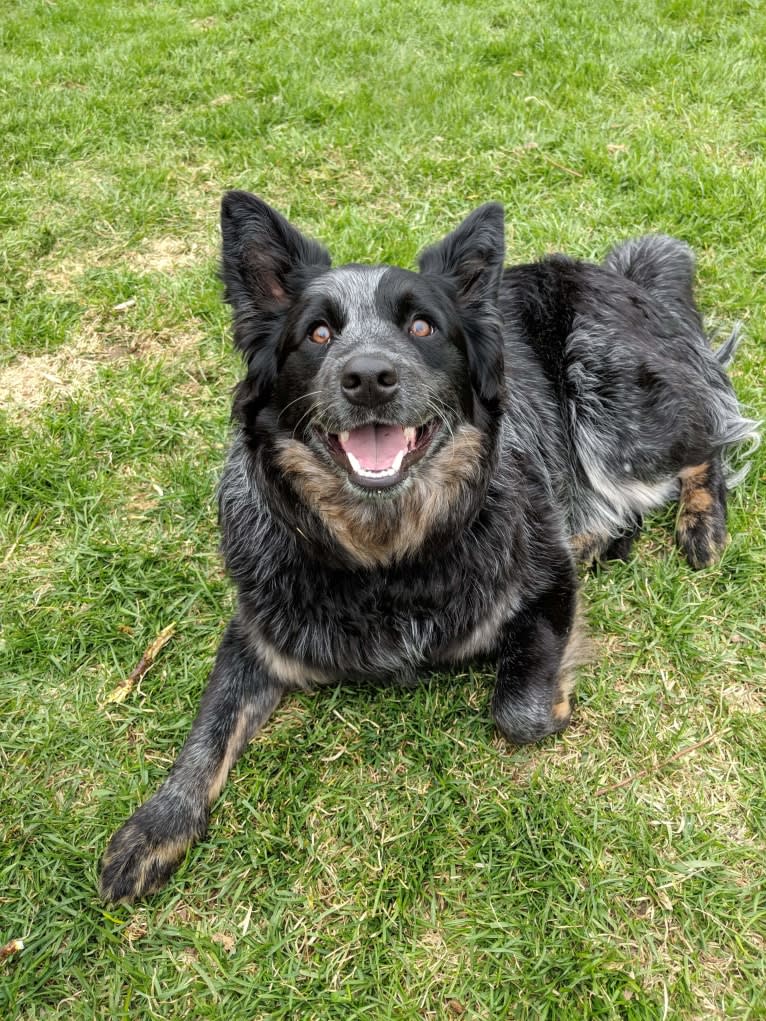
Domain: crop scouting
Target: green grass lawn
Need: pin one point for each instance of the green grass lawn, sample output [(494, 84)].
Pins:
[(377, 854)]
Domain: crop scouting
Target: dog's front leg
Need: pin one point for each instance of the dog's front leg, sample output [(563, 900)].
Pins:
[(539, 650), (239, 698)]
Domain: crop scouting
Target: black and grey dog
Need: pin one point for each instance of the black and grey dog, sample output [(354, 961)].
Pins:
[(419, 460)]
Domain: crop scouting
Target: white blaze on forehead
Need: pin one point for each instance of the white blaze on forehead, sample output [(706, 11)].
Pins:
[(354, 289)]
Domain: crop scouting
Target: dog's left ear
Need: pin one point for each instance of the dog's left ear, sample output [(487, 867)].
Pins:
[(471, 258), (472, 255)]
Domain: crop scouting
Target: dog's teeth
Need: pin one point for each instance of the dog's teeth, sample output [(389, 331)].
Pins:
[(343, 437), (410, 435), (370, 473)]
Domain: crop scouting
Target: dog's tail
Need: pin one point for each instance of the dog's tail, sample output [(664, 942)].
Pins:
[(725, 353), (662, 265)]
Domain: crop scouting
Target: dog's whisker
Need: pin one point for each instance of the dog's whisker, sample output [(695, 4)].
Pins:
[(310, 411), (311, 393), (440, 413)]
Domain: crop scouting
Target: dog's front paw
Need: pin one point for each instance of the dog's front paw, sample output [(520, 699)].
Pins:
[(143, 854), (523, 722)]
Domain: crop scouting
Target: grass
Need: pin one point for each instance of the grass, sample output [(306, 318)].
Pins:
[(377, 853)]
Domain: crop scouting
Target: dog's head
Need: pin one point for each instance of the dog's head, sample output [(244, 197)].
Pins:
[(367, 375)]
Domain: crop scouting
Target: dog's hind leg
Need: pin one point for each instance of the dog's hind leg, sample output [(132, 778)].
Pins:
[(592, 548), (239, 698), (620, 547), (701, 524), (540, 650)]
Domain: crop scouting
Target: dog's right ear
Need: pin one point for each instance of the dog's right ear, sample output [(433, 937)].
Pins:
[(265, 262)]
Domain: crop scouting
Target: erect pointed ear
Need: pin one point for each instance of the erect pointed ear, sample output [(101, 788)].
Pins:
[(471, 258), (265, 263), (265, 259), (472, 255)]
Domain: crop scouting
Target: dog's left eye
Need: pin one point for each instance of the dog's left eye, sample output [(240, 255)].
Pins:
[(320, 334), (420, 328)]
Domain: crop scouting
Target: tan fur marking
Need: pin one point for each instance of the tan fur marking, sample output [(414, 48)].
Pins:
[(428, 503), (695, 497), (687, 533), (286, 668), (378, 532), (588, 546), (236, 743), (696, 471), (685, 528), (577, 652), (562, 710), (698, 531), (324, 492), (166, 854)]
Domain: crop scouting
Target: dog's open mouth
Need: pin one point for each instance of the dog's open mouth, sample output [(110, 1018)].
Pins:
[(378, 456)]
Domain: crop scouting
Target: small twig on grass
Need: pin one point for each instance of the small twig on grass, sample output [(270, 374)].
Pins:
[(658, 767), (560, 166), (125, 687)]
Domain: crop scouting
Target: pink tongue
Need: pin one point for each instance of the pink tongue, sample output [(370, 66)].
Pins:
[(375, 446)]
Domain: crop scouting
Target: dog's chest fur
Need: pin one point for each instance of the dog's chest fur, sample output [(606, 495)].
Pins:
[(314, 622)]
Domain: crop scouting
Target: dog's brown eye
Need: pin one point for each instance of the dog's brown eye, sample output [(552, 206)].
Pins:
[(421, 328), (321, 334)]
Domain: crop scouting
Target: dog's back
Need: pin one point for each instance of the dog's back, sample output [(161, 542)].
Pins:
[(646, 410)]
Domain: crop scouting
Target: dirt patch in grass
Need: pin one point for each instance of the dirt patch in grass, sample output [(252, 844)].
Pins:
[(120, 342), (61, 276), (743, 698), (32, 381), (168, 254)]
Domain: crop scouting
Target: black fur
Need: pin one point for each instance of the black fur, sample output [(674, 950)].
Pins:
[(500, 420)]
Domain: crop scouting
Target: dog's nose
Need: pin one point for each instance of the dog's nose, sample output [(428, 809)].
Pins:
[(369, 380)]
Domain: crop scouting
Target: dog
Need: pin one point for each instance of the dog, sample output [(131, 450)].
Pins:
[(419, 459)]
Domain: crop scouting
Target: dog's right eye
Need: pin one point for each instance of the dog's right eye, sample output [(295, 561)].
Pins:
[(420, 328), (320, 334)]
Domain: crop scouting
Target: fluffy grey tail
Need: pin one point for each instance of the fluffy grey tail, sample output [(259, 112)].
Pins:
[(738, 436), (662, 265)]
